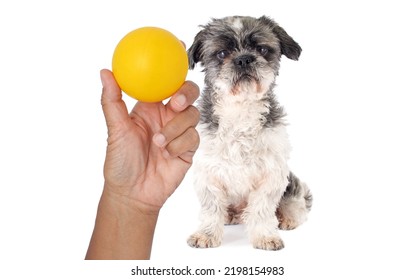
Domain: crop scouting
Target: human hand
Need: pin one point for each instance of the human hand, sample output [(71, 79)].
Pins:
[(149, 150)]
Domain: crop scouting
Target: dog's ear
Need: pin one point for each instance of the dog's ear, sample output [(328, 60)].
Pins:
[(195, 51), (288, 46)]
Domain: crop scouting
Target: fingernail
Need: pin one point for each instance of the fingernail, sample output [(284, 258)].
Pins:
[(159, 139), (181, 100)]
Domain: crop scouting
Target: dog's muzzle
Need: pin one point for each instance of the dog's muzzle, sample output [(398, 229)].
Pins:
[(245, 69)]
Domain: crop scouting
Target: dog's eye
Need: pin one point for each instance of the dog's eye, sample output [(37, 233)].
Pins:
[(222, 54), (262, 50)]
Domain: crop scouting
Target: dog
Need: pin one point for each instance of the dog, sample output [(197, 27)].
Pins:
[(241, 170)]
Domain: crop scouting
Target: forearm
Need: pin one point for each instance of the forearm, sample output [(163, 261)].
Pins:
[(121, 231)]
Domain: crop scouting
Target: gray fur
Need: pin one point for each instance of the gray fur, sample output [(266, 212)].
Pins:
[(297, 189), (276, 113), (207, 112)]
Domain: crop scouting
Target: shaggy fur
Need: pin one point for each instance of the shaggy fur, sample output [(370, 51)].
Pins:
[(241, 168)]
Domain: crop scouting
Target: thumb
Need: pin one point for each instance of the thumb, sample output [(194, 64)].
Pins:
[(113, 106)]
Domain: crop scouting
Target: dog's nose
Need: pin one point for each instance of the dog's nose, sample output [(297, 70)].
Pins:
[(244, 60)]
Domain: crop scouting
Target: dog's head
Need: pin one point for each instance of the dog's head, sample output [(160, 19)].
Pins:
[(242, 53)]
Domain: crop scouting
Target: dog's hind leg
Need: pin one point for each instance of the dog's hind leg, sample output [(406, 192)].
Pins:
[(295, 204)]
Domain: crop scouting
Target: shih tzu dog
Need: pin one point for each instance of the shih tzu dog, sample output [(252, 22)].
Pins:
[(241, 170)]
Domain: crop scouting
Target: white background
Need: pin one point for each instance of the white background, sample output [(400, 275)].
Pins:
[(348, 99)]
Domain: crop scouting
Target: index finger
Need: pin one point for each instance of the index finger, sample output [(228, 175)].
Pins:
[(186, 95)]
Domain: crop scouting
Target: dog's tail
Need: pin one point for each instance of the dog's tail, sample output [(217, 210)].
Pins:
[(299, 190), (295, 204)]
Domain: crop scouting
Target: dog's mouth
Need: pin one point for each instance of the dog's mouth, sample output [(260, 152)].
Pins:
[(245, 78), (246, 82)]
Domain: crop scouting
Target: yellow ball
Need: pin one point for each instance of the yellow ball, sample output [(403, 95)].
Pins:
[(150, 64)]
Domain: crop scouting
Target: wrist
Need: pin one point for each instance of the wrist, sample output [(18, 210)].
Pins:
[(125, 202), (124, 229)]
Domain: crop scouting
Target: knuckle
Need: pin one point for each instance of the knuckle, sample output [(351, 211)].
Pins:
[(172, 128), (194, 113), (188, 141), (193, 135), (192, 86), (191, 90)]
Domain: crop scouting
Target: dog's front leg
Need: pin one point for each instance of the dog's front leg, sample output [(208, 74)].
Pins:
[(213, 213), (260, 218)]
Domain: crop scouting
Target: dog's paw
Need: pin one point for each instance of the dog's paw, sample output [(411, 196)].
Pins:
[(287, 224), (271, 243), (290, 219), (202, 240)]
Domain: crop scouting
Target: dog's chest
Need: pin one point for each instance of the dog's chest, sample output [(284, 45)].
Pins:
[(241, 139), (239, 132), (241, 152)]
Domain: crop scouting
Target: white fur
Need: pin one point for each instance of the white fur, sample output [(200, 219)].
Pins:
[(241, 162), (237, 24)]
